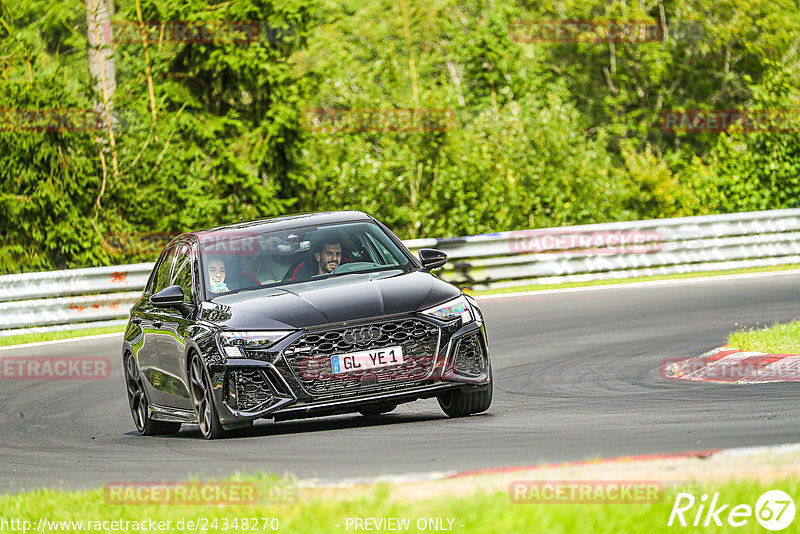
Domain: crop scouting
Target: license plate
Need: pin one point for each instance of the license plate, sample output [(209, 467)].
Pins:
[(367, 359)]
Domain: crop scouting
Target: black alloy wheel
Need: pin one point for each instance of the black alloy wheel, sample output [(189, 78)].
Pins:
[(137, 399), (204, 409)]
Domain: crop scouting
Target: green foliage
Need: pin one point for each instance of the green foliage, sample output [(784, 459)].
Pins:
[(653, 191), (540, 134), (222, 141), (516, 157), (761, 170), (44, 175)]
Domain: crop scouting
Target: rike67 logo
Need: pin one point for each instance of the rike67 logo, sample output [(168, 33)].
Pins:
[(774, 510)]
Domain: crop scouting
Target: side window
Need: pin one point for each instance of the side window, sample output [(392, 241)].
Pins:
[(183, 272), (162, 279)]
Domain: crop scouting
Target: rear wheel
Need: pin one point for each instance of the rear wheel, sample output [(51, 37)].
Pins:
[(202, 400), (459, 403), (137, 399)]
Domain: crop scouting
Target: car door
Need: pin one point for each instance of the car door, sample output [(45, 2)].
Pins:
[(175, 328), (145, 315)]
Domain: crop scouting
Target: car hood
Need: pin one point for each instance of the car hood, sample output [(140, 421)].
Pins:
[(347, 298)]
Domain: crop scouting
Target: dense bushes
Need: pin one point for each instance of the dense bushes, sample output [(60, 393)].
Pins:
[(539, 134)]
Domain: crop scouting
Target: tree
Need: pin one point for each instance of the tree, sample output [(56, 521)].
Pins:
[(757, 167), (214, 140)]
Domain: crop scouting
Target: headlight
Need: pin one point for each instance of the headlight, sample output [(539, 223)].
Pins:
[(232, 343), (476, 310), (458, 307)]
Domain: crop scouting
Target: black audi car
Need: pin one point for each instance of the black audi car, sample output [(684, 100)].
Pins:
[(299, 316)]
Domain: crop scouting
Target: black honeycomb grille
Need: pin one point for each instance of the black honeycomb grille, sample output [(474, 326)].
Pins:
[(310, 356), (469, 358), (249, 388)]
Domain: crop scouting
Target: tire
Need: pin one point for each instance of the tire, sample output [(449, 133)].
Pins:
[(137, 400), (483, 399), (203, 401), (376, 409), (458, 403)]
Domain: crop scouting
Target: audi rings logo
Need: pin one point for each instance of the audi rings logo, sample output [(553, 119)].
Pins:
[(362, 336)]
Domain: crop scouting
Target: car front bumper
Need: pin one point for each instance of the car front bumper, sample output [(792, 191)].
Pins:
[(274, 386)]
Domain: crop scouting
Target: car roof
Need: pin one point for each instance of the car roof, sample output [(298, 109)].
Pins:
[(288, 222)]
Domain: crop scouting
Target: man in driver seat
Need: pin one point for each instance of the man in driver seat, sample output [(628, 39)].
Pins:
[(328, 255)]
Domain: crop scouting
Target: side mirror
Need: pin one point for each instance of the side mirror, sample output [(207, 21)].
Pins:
[(170, 297), (431, 258)]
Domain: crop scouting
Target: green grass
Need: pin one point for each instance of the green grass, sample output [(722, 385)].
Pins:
[(320, 511), (49, 336), (775, 339), (540, 287)]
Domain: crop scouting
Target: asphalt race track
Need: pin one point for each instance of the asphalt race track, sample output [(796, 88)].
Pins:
[(576, 377)]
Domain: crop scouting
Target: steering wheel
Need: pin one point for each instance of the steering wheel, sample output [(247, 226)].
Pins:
[(353, 266)]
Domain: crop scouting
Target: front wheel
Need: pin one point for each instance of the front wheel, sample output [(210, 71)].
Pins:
[(202, 400), (137, 399), (459, 403)]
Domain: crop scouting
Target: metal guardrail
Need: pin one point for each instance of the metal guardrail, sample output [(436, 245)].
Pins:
[(73, 282), (621, 250), (99, 296)]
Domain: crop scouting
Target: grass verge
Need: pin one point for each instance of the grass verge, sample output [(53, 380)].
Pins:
[(775, 339), (50, 336), (540, 287), (334, 511)]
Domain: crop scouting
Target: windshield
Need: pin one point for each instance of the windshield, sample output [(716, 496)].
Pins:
[(240, 259)]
